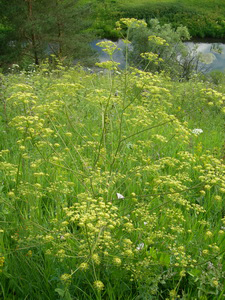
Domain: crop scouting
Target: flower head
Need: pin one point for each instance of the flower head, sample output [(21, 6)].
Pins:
[(98, 285), (197, 131)]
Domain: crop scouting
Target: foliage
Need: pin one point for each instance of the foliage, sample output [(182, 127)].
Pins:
[(108, 190), (106, 13), (44, 27), (202, 18), (161, 48), (217, 77)]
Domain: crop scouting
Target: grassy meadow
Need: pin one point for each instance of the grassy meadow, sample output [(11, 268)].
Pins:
[(112, 185)]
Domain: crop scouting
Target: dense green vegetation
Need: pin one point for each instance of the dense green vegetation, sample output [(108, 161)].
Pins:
[(112, 183), (32, 30), (203, 18)]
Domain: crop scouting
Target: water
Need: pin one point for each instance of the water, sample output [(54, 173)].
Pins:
[(213, 53), (118, 55)]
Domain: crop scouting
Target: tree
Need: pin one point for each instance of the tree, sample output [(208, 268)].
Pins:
[(41, 27)]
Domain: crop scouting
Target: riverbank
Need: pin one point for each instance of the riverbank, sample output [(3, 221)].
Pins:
[(204, 19)]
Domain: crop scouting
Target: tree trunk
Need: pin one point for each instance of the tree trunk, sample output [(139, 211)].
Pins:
[(59, 27), (33, 37)]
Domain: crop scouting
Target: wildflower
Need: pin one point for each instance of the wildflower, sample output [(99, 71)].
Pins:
[(197, 131), (207, 187), (117, 261), (49, 238), (157, 40), (2, 260), (96, 259), (182, 273), (209, 233), (65, 223), (216, 248), (119, 196), (108, 47), (98, 285), (218, 198), (84, 266), (111, 65), (127, 241), (61, 253), (173, 294), (11, 194), (129, 226), (65, 277), (215, 282), (68, 134), (205, 251), (128, 253)]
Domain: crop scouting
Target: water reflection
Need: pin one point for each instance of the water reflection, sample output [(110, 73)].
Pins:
[(213, 53), (217, 51)]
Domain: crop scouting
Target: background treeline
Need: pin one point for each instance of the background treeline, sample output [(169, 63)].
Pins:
[(31, 29)]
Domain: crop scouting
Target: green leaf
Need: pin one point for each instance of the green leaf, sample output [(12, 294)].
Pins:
[(165, 259), (195, 272), (67, 295), (60, 292)]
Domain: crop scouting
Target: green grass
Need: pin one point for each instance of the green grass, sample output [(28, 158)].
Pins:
[(201, 4), (70, 142), (203, 18)]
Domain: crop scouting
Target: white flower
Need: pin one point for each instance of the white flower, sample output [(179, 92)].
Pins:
[(15, 66), (145, 223), (197, 131), (119, 196), (140, 246)]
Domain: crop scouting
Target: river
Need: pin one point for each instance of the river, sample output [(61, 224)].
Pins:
[(214, 53)]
